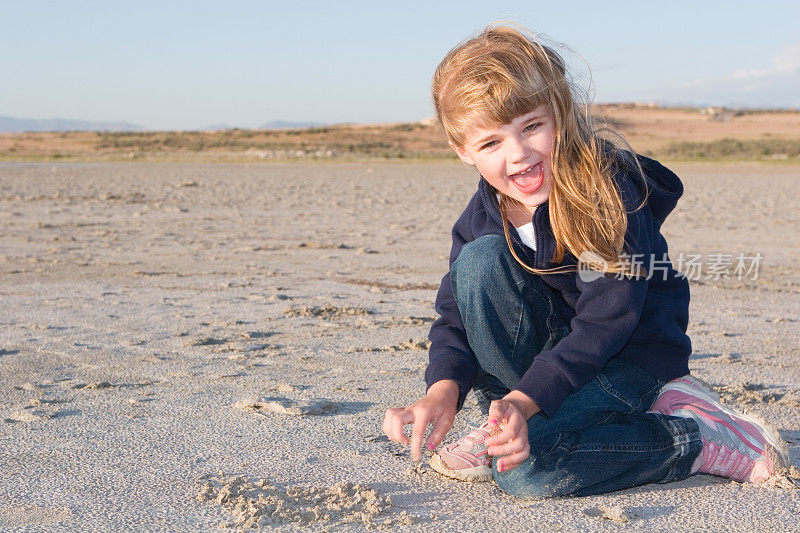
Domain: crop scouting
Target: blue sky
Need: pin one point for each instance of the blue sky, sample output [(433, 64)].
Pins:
[(184, 65)]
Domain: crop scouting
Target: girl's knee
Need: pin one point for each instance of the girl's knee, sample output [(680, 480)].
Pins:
[(484, 262), (487, 251), (528, 482)]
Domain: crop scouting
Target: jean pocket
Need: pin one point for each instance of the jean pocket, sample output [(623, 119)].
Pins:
[(630, 386)]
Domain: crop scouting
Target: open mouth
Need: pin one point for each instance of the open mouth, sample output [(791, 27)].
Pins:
[(526, 171), (530, 179)]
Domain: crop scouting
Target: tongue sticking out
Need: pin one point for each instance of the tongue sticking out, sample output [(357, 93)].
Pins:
[(530, 181)]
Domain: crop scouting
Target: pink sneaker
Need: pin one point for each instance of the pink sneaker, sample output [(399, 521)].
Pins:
[(739, 446), (466, 459)]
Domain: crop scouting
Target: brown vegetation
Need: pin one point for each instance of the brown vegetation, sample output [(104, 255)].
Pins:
[(670, 133)]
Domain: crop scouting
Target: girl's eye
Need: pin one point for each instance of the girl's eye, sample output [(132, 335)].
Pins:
[(489, 144), (533, 126)]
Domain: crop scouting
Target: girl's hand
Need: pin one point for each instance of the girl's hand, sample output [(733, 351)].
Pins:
[(438, 407), (511, 414)]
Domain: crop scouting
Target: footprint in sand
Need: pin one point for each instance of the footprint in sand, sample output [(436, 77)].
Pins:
[(41, 409), (97, 385), (14, 516), (31, 386), (207, 341), (257, 334), (615, 513), (285, 406)]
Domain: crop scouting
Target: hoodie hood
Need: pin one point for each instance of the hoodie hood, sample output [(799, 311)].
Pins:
[(661, 187)]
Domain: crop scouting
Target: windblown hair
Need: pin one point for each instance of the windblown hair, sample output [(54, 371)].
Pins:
[(504, 72)]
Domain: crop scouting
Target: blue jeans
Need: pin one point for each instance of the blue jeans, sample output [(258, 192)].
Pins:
[(602, 438)]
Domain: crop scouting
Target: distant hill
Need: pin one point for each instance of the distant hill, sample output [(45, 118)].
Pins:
[(288, 125), (12, 124), (217, 127), (271, 125)]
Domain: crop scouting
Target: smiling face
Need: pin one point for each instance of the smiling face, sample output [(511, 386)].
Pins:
[(515, 158)]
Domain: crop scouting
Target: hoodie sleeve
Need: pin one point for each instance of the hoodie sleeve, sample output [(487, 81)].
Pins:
[(608, 310), (450, 356)]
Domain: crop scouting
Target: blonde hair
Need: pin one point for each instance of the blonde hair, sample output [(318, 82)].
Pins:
[(505, 72)]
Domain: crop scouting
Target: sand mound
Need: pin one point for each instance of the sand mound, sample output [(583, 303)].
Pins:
[(756, 393), (256, 504)]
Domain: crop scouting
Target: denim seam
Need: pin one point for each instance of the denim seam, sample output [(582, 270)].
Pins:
[(627, 448), (517, 333), (521, 316), (682, 441), (656, 388), (611, 392)]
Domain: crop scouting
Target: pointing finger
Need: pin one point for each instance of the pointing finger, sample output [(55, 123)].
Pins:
[(417, 432)]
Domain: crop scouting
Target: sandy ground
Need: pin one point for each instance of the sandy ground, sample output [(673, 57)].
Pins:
[(165, 323)]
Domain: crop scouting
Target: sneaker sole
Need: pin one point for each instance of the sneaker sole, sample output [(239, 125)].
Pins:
[(475, 474), (777, 448)]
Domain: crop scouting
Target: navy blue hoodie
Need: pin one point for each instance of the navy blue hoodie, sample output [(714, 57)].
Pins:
[(642, 320)]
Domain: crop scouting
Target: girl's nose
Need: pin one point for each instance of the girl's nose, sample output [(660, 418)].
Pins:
[(518, 150)]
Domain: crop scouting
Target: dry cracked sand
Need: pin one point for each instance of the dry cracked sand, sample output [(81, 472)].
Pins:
[(190, 347)]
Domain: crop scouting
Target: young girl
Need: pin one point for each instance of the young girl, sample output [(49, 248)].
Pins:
[(583, 373)]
